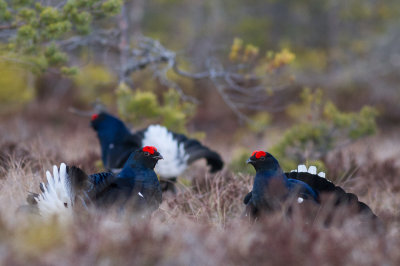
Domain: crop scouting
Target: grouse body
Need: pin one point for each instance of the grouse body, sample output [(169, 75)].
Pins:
[(272, 187), (179, 151), (136, 187)]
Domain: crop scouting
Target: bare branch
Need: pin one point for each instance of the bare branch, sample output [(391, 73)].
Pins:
[(9, 26), (200, 75), (105, 38), (78, 112)]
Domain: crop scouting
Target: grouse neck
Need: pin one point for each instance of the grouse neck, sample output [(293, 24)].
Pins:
[(112, 133), (138, 161), (264, 177), (270, 173), (111, 136)]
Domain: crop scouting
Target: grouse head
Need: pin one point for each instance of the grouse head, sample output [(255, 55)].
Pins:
[(262, 160), (103, 120), (148, 156)]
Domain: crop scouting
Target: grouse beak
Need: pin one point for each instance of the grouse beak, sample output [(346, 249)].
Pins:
[(249, 161), (158, 157)]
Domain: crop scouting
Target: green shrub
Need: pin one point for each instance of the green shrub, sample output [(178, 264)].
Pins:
[(15, 86), (320, 128), (143, 107), (94, 82), (39, 25), (259, 122)]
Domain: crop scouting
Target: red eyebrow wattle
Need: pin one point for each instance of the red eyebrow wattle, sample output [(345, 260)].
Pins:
[(94, 116), (149, 149), (259, 154)]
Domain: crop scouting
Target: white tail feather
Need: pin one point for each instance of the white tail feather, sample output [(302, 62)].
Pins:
[(301, 168), (312, 170), (321, 174), (56, 198)]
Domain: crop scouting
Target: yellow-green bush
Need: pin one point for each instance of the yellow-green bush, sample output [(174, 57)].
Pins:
[(143, 107), (259, 122), (136, 106), (39, 236), (15, 86), (39, 25), (250, 53), (93, 81), (321, 127)]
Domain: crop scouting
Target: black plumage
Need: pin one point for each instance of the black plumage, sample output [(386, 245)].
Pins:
[(137, 180), (117, 142), (135, 188), (267, 196), (324, 186), (271, 186)]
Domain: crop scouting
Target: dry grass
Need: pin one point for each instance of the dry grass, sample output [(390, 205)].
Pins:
[(200, 225)]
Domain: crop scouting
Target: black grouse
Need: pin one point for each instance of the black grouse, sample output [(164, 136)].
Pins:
[(117, 142), (136, 187), (272, 187)]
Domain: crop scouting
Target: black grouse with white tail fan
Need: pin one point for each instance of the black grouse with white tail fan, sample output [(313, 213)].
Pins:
[(272, 187), (179, 151), (135, 188)]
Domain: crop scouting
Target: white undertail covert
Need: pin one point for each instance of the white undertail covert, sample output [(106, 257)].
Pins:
[(175, 157)]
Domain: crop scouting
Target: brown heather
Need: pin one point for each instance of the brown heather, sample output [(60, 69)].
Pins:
[(200, 225)]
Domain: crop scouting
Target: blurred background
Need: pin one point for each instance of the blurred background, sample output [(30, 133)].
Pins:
[(300, 77)]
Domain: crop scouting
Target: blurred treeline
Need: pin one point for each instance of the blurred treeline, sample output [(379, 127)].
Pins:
[(341, 56), (348, 48)]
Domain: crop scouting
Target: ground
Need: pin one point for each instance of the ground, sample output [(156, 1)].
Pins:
[(201, 224)]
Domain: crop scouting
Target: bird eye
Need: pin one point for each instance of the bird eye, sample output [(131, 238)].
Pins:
[(262, 158), (146, 153)]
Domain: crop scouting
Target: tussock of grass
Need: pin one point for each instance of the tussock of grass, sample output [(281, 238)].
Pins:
[(200, 225)]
